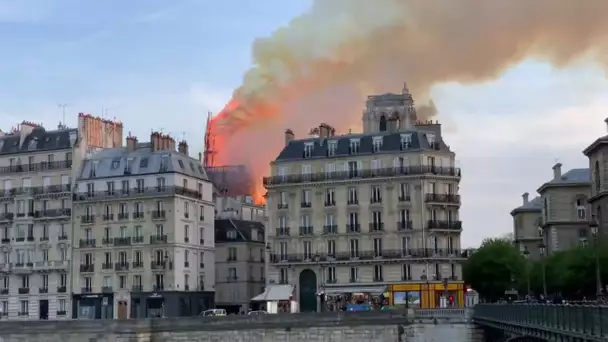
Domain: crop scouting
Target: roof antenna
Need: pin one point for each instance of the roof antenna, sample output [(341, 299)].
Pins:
[(183, 136), (63, 106)]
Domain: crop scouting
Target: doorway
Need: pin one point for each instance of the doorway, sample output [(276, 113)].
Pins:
[(44, 309), (122, 309), (308, 291)]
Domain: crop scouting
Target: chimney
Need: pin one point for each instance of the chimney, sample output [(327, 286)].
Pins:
[(170, 143), (200, 156), (557, 171), (526, 197), (289, 136), (606, 121), (131, 143), (183, 147), (155, 141), (326, 131)]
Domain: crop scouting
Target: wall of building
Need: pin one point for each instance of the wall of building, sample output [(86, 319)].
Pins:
[(248, 266), (563, 228)]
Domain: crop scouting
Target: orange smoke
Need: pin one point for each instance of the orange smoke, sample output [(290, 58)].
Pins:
[(321, 67)]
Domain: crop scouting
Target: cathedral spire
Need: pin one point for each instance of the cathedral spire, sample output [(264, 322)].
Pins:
[(405, 90)]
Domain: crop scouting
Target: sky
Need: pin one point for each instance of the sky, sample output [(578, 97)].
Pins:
[(160, 64)]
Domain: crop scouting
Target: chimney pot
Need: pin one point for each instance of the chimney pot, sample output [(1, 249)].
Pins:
[(289, 136), (557, 171), (526, 197), (183, 147)]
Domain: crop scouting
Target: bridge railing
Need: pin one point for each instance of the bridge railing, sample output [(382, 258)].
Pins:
[(587, 320)]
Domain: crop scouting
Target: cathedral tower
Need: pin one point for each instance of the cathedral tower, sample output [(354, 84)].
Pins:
[(389, 112)]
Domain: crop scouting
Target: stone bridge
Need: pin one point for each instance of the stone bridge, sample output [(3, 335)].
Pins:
[(377, 326), (542, 322)]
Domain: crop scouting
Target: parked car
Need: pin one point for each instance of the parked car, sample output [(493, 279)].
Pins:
[(213, 312)]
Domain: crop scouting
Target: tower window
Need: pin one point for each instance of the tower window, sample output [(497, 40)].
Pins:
[(382, 124)]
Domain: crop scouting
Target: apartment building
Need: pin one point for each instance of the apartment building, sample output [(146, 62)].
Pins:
[(239, 266), (565, 208), (35, 210), (143, 233), (527, 226), (597, 153), (354, 213)]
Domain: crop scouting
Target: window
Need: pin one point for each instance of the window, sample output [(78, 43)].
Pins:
[(308, 148), (232, 273), (377, 247), (376, 194), (124, 186), (123, 210), (45, 255), (378, 273), (354, 146), (283, 250), (331, 274), (25, 282), (160, 230), (45, 281), (137, 257), (201, 213), (137, 280), (331, 248), (404, 192), (354, 248), (62, 305), (283, 276), (353, 196), (160, 183), (307, 249), (306, 197), (186, 258), (231, 234), (406, 272), (332, 146), (90, 189), (186, 233), (406, 141), (186, 281), (186, 209), (354, 274), (143, 162), (24, 307), (63, 279), (330, 197), (232, 254), (140, 185), (581, 209), (406, 245)]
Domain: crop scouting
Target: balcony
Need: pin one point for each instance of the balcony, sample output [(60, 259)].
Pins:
[(352, 201), (306, 205), (90, 268), (404, 198), (376, 227), (158, 287), (52, 213), (63, 237), (123, 216), (86, 290), (86, 243), (331, 203), (282, 206), (20, 239), (106, 289), (62, 289), (121, 266), (444, 225), (37, 167), (353, 228), (43, 290), (161, 265), (405, 225), (137, 239), (137, 288), (158, 239), (6, 240), (138, 215), (31, 238), (147, 192), (159, 215), (3, 291), (107, 241), (375, 200), (361, 174), (122, 241), (138, 264), (363, 255), (52, 189), (330, 229), (306, 230), (284, 231), (108, 217), (49, 266), (106, 266), (7, 216), (44, 238), (24, 290), (87, 219), (443, 198)]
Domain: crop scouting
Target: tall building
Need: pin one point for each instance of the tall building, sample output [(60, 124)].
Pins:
[(355, 213), (143, 233), (564, 208), (36, 173), (527, 226), (597, 153)]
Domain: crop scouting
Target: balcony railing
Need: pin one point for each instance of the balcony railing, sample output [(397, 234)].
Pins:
[(353, 228), (405, 225), (389, 254), (87, 219), (153, 191), (137, 288), (87, 268), (138, 215), (330, 229), (306, 205), (7, 216), (443, 198), (123, 216), (376, 227), (137, 239), (161, 265), (284, 231), (51, 213), (106, 266), (121, 266), (86, 290), (158, 239), (138, 264), (37, 167), (122, 241), (444, 225), (108, 217), (52, 189), (362, 174), (158, 214), (404, 198), (86, 243), (24, 290), (306, 230)]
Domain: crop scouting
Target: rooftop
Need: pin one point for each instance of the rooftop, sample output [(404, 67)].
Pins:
[(245, 230)]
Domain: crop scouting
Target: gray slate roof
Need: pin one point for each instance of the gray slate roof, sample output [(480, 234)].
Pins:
[(573, 176), (244, 229), (38, 140), (534, 205), (112, 163), (391, 144)]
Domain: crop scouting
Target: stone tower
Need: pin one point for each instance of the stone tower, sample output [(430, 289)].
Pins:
[(389, 112)]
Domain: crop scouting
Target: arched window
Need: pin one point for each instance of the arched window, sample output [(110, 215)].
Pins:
[(581, 208), (596, 175), (546, 209), (382, 125), (396, 122)]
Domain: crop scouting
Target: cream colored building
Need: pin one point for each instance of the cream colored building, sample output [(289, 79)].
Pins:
[(527, 226), (143, 233), (597, 153), (565, 209), (356, 212), (36, 179)]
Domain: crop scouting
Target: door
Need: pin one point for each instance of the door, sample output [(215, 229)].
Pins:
[(308, 291), (122, 309), (44, 309)]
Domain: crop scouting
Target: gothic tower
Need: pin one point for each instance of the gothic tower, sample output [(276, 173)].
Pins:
[(389, 112)]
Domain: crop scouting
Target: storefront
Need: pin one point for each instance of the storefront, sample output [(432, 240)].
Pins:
[(170, 303), (338, 298), (93, 306), (426, 295), (277, 299)]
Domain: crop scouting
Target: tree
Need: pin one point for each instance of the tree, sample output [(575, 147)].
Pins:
[(493, 268)]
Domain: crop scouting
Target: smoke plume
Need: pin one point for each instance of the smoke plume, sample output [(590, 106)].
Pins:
[(321, 66)]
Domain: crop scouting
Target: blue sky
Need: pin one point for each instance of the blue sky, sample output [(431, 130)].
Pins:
[(165, 63)]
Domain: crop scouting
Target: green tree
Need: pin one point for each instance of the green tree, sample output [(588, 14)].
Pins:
[(496, 266)]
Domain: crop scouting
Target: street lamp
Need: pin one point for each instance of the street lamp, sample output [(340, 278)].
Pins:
[(593, 226), (526, 254), (541, 248), (320, 291)]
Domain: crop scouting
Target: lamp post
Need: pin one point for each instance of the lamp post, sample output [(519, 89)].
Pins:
[(541, 248), (526, 254), (593, 226), (320, 291)]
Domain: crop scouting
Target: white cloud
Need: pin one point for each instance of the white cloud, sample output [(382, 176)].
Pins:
[(209, 98), (21, 11)]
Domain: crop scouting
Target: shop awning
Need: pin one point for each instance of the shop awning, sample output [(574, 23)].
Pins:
[(373, 290), (274, 293)]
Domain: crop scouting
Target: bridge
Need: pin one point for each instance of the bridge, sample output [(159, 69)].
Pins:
[(542, 322)]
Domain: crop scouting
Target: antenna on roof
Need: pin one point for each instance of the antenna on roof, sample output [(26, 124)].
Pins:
[(183, 136), (63, 106)]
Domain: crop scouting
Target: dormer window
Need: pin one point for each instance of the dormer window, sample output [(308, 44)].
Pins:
[(94, 168), (308, 147), (430, 137), (32, 144), (164, 163), (332, 146), (128, 166), (406, 141), (354, 146), (376, 144), (231, 234)]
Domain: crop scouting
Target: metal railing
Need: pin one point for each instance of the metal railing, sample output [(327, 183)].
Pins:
[(585, 320)]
